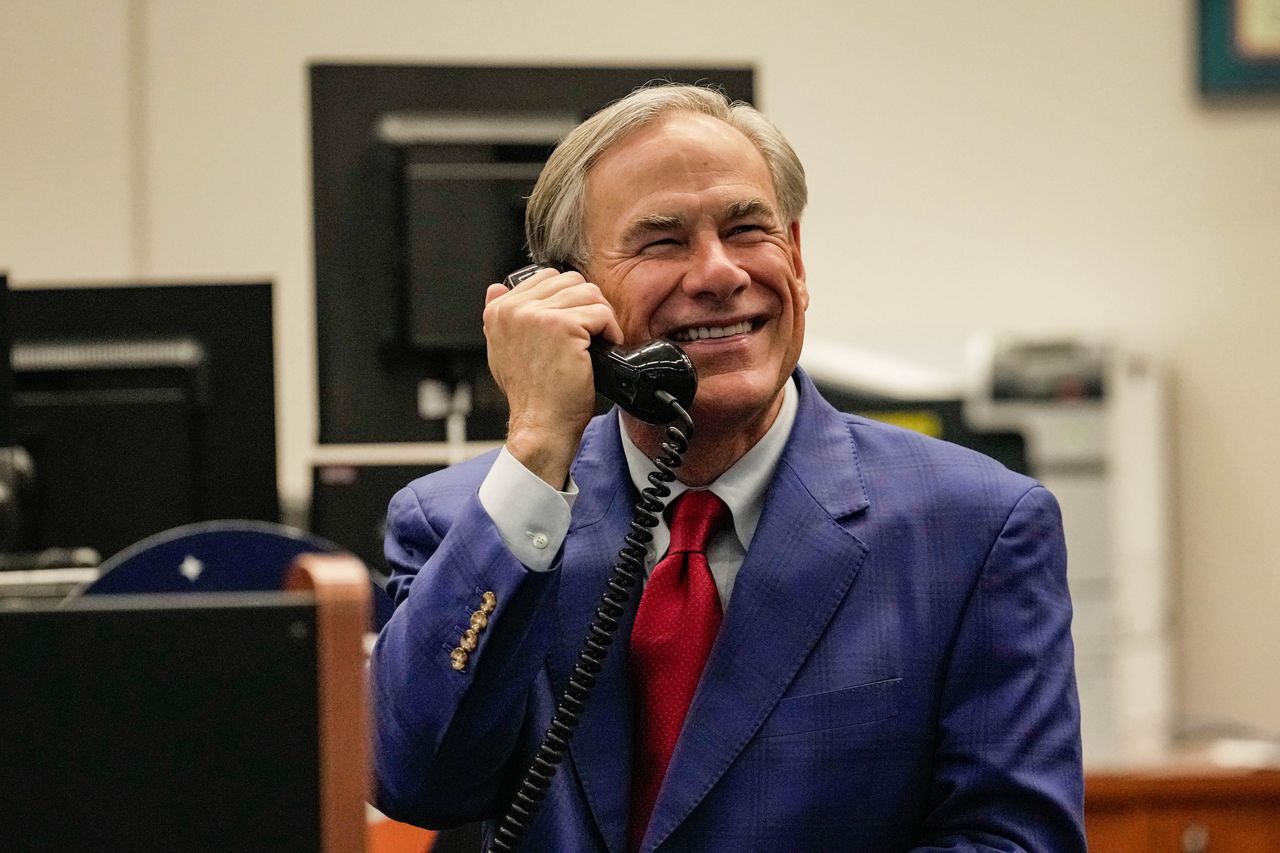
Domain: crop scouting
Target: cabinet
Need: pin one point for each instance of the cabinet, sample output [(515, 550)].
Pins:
[(1187, 809)]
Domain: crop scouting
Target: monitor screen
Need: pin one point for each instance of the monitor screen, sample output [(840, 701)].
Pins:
[(142, 408), (445, 274), (162, 722)]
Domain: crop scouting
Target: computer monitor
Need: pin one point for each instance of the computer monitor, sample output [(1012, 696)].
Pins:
[(142, 407), (420, 174), (180, 722), (6, 378), (189, 721), (12, 458)]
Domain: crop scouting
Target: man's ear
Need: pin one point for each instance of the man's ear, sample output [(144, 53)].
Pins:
[(797, 264)]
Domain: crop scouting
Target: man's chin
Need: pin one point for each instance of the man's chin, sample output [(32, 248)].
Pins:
[(733, 400)]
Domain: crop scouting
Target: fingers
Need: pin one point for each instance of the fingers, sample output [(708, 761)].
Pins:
[(541, 275), (537, 335), (494, 291), (610, 331), (569, 297)]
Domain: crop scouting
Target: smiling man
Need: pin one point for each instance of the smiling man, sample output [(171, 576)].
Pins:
[(850, 637)]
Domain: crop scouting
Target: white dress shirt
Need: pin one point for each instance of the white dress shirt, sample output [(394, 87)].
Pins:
[(532, 517)]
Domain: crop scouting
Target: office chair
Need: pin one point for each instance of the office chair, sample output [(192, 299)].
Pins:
[(220, 556), (242, 556), (206, 722)]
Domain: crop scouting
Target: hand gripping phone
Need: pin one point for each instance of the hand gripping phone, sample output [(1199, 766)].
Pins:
[(632, 376), (655, 382)]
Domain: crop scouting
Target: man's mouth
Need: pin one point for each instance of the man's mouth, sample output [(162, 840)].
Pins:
[(702, 333)]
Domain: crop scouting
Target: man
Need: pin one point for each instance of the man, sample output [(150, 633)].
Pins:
[(892, 668)]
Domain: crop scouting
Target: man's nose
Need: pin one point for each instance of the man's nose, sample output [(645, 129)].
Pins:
[(713, 270)]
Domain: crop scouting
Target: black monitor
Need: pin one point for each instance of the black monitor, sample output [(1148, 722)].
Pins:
[(941, 418), (141, 407), (12, 457), (161, 722), (6, 379), (420, 178)]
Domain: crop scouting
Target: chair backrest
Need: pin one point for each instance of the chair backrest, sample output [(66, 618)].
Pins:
[(220, 556), (210, 556)]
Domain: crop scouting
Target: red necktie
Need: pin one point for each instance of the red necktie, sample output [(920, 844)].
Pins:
[(676, 625)]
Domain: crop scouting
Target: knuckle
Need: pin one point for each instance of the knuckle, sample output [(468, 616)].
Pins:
[(548, 322), (492, 313)]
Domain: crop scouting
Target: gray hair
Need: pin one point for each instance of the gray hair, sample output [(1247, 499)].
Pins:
[(554, 219)]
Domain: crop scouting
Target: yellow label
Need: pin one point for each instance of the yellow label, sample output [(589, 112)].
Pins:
[(927, 423)]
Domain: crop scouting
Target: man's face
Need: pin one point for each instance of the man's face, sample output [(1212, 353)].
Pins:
[(684, 238)]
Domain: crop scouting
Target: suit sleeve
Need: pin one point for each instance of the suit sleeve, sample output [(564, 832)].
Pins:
[(1008, 765), (444, 737)]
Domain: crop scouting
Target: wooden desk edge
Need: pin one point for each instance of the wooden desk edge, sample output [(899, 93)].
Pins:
[(340, 584), (1202, 784)]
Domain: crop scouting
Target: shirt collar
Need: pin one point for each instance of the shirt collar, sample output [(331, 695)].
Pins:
[(742, 487)]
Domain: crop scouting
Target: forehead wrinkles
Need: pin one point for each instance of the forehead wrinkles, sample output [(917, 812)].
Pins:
[(683, 155)]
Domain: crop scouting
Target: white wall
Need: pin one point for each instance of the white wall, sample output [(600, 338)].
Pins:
[(67, 172), (974, 164)]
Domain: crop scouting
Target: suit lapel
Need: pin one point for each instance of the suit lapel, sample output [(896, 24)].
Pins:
[(601, 746), (798, 569)]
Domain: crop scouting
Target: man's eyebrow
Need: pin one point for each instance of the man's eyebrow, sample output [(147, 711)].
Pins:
[(749, 207), (651, 222)]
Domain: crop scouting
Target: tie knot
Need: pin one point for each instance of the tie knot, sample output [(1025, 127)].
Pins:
[(696, 518)]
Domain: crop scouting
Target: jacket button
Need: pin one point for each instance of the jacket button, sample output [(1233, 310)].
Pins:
[(479, 621), (488, 602), (470, 639), (458, 657)]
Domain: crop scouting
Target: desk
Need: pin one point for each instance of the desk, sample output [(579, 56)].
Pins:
[(389, 836), (1188, 808)]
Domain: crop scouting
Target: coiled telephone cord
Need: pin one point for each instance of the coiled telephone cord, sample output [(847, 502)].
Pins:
[(627, 571)]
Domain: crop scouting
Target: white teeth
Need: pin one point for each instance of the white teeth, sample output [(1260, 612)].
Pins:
[(703, 332)]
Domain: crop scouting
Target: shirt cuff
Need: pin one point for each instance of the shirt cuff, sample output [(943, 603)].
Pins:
[(532, 517)]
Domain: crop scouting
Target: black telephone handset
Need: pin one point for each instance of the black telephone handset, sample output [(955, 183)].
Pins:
[(632, 376), (655, 382)]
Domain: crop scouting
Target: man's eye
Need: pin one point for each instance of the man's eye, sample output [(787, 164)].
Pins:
[(745, 228), (658, 244)]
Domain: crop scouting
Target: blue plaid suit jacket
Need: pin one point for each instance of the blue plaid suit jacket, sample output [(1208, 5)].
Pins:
[(894, 671)]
